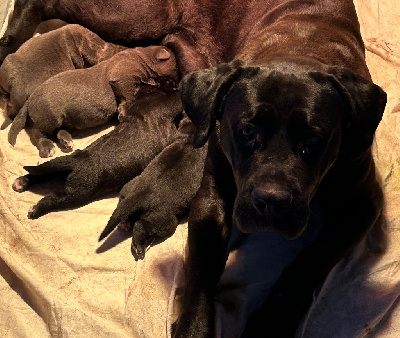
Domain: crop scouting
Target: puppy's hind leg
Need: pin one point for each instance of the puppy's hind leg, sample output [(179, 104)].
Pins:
[(82, 186), (45, 146), (65, 140), (46, 204), (23, 183), (59, 165), (61, 201)]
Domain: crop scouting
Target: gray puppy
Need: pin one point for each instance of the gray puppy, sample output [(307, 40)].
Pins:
[(84, 98), (153, 203), (112, 160), (43, 56)]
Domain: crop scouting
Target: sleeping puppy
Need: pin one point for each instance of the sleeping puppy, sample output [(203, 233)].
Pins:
[(84, 98), (41, 57), (112, 160), (153, 203)]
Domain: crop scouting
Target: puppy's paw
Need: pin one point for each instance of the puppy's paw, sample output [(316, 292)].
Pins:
[(46, 148), (65, 139), (20, 184), (122, 111), (33, 212)]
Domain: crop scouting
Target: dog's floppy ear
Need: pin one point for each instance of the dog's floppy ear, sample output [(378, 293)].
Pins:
[(365, 103), (203, 93)]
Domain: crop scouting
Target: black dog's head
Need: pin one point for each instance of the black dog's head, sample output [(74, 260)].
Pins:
[(282, 126)]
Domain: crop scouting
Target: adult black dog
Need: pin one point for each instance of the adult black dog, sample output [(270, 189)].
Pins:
[(295, 123)]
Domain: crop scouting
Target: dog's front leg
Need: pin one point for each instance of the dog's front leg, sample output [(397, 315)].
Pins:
[(209, 231), (352, 203)]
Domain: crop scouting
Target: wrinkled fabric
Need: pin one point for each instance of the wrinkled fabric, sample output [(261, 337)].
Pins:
[(56, 280)]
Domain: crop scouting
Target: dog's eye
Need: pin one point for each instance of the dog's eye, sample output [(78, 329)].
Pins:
[(309, 147), (247, 132)]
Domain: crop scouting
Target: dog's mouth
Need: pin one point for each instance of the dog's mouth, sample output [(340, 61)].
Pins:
[(289, 219)]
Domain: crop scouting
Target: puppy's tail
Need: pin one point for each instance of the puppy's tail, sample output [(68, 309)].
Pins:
[(18, 124), (126, 209)]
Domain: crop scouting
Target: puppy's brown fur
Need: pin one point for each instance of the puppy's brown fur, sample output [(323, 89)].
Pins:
[(41, 57), (84, 98)]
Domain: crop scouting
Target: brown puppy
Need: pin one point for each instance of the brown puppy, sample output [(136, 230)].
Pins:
[(153, 203), (41, 57), (297, 51), (84, 98)]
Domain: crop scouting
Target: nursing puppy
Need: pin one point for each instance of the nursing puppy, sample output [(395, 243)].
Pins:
[(41, 57), (153, 203), (84, 98), (304, 67), (112, 160)]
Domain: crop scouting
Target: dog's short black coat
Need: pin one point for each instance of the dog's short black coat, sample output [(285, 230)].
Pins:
[(112, 160), (278, 136)]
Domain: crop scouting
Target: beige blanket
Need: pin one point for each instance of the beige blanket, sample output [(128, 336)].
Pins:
[(56, 280)]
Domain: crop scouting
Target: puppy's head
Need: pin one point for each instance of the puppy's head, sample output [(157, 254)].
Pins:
[(161, 60), (282, 126), (138, 209)]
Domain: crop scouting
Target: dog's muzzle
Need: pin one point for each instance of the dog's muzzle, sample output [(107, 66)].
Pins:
[(271, 200), (271, 207)]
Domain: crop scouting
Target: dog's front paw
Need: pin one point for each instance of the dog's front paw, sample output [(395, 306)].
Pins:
[(33, 212), (185, 329), (195, 323), (20, 184)]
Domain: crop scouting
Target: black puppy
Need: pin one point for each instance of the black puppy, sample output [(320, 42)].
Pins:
[(280, 135), (153, 203), (112, 160)]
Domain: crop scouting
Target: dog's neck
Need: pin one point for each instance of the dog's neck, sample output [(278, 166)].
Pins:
[(274, 33)]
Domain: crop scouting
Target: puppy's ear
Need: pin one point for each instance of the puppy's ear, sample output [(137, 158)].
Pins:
[(203, 93), (365, 103)]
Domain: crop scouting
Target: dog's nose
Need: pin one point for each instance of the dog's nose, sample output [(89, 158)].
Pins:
[(270, 198)]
